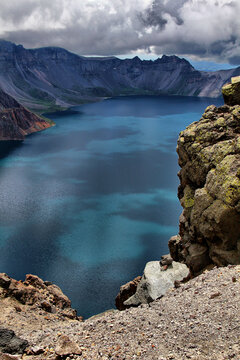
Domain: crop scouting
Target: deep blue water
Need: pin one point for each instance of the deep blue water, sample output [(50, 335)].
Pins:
[(88, 202)]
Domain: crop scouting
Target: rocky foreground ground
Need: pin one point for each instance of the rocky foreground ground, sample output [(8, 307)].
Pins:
[(198, 320)]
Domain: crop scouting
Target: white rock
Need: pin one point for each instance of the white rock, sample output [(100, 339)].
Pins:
[(155, 282)]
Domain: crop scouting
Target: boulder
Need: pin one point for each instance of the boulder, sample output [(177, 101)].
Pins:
[(156, 282), (5, 281), (10, 343), (67, 347)]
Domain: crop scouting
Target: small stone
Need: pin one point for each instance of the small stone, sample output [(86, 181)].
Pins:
[(214, 295), (166, 260), (5, 280), (17, 308), (35, 350), (45, 305), (234, 279), (164, 267), (177, 284), (9, 357), (67, 347)]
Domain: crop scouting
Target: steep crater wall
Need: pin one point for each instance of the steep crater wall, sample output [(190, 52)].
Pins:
[(209, 191), (16, 121)]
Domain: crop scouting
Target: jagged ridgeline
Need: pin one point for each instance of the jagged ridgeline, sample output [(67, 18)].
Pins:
[(16, 121), (53, 77), (209, 156)]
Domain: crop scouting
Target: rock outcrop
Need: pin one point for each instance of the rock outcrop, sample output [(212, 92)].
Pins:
[(54, 77), (37, 293), (16, 121), (126, 291), (157, 279), (209, 191), (231, 92), (10, 343)]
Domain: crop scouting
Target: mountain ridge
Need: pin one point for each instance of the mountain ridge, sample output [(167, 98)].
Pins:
[(52, 77)]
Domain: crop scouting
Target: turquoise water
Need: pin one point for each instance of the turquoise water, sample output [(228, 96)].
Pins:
[(88, 202)]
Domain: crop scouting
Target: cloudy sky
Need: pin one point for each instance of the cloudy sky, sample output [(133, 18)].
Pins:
[(197, 29)]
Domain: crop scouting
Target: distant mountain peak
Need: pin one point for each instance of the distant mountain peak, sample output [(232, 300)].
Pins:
[(7, 44), (174, 59)]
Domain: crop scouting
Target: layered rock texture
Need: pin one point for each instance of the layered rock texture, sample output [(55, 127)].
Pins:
[(231, 91), (209, 156), (53, 77), (16, 121)]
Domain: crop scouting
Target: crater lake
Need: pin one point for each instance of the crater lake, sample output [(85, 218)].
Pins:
[(86, 203)]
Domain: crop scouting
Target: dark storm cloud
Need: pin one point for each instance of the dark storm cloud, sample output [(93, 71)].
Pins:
[(197, 28), (156, 14), (235, 60)]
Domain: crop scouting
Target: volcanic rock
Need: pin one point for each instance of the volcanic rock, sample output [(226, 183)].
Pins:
[(231, 92), (155, 282), (166, 260), (10, 343), (126, 291), (34, 291), (67, 347), (209, 191)]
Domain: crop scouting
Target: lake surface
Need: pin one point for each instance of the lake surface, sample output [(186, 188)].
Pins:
[(88, 202)]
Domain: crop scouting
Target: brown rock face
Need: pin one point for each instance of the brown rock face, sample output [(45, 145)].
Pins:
[(126, 291), (209, 191), (35, 291), (16, 121)]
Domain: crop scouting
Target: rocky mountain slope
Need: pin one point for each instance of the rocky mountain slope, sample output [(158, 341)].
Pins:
[(209, 191), (16, 121), (52, 77), (199, 320)]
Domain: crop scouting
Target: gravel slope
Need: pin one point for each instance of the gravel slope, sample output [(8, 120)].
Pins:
[(200, 320)]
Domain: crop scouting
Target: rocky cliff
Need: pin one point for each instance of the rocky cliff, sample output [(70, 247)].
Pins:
[(34, 293), (209, 191), (53, 77), (16, 121)]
